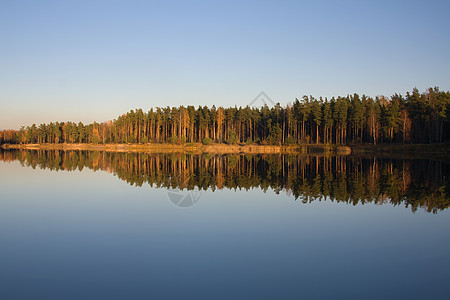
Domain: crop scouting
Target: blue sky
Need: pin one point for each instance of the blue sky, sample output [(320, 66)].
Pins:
[(94, 60)]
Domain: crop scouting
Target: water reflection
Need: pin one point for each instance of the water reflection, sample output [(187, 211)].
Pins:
[(412, 183)]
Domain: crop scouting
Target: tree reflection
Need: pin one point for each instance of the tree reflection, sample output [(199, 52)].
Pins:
[(412, 183)]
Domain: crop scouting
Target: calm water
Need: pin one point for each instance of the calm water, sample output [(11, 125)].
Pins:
[(94, 225)]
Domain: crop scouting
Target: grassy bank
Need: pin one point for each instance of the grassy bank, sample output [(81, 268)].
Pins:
[(191, 147)]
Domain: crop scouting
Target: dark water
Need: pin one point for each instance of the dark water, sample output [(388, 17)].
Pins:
[(96, 225)]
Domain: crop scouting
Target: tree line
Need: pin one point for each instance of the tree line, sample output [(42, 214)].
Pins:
[(413, 118), (352, 180)]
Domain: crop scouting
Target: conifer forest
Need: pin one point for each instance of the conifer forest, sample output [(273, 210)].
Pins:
[(412, 118)]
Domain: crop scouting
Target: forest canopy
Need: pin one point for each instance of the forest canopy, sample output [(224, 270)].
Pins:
[(412, 118)]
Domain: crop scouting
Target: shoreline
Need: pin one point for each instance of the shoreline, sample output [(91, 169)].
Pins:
[(441, 148), (191, 147), (440, 151)]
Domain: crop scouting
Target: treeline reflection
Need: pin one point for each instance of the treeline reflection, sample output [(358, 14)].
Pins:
[(412, 183)]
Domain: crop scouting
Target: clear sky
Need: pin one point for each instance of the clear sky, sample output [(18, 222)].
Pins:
[(94, 60)]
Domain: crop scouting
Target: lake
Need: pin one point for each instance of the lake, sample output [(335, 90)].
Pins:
[(104, 225)]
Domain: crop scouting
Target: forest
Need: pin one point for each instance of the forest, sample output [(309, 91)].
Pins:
[(414, 118), (352, 180)]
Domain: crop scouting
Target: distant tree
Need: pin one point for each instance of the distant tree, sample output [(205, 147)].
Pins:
[(81, 132), (206, 141), (317, 116), (327, 121), (232, 138)]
